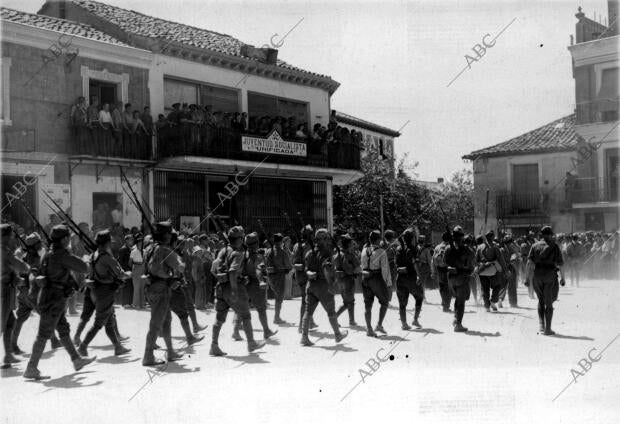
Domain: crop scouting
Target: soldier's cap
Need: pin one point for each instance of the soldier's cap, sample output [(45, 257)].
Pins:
[(408, 232), (546, 231), (390, 235), (277, 237), (308, 229), (103, 237), (374, 235), (458, 231), (163, 227), (422, 237), (236, 232), (490, 233), (507, 238), (321, 232), (138, 236), (33, 239), (6, 229), (129, 237), (59, 232), (203, 237), (251, 239)]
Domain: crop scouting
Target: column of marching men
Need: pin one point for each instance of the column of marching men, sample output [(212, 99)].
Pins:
[(40, 275)]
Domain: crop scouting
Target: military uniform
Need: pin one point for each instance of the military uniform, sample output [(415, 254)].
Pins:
[(56, 267), (278, 265), (162, 266), (547, 258), (460, 260), (231, 292), (12, 267), (300, 251), (182, 305), (349, 266), (106, 273), (320, 289), (491, 284), (375, 264), (441, 274), (408, 284)]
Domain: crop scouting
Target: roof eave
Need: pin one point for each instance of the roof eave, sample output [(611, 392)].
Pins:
[(474, 155)]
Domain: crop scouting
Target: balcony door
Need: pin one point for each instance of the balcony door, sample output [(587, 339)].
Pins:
[(525, 188), (612, 173)]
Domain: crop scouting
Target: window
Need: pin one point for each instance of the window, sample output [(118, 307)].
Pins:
[(218, 98), (608, 95), (104, 91), (5, 101), (525, 178), (262, 105)]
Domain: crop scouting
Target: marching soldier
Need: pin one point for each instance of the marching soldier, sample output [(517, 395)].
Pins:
[(439, 271), (301, 249), (12, 267), (163, 267), (320, 272), (376, 281), (106, 276), (490, 268), (56, 268), (390, 247), (460, 260), (181, 303), (254, 274), (407, 282), (546, 259), (29, 291), (348, 269), (231, 291), (278, 264)]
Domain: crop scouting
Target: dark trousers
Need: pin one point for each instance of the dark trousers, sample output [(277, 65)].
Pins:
[(444, 291), (158, 294), (52, 306), (406, 287), (88, 308), (224, 301), (103, 296), (276, 284), (459, 288), (317, 291), (178, 303), (8, 317), (257, 295), (490, 289), (347, 290)]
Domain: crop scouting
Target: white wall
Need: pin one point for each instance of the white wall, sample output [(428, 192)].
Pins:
[(318, 99)]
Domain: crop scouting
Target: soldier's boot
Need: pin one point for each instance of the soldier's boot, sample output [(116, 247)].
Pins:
[(458, 328), (78, 332), (351, 309), (31, 369), (189, 336), (403, 320), (302, 312), (6, 341), (16, 330), (247, 329), (215, 349), (79, 361), (276, 317), (339, 334), (197, 327), (541, 318), (171, 354), (382, 312), (459, 312), (55, 342), (264, 322), (369, 331), (90, 335), (548, 319), (118, 334), (149, 358), (416, 315), (305, 340), (236, 335)]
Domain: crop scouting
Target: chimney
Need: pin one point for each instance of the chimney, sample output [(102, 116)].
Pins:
[(612, 12)]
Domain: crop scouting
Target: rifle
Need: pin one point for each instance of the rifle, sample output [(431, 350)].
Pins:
[(134, 199), (217, 227), (21, 240), (88, 242), (48, 240)]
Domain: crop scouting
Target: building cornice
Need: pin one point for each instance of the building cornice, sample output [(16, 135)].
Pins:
[(41, 38), (595, 51)]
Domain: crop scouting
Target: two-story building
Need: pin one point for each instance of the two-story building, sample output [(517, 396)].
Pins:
[(565, 173), (185, 167)]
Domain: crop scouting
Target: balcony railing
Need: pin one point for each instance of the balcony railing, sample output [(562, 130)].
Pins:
[(604, 110), (513, 204), (592, 190), (103, 142), (208, 141)]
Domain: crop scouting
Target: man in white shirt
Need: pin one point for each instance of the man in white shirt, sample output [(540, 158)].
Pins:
[(376, 281), (137, 270)]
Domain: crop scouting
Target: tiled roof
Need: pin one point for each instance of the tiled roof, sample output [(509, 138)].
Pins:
[(559, 135), (55, 24), (361, 123), (149, 26)]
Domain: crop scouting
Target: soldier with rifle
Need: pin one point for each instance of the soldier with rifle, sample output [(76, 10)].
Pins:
[(408, 282), (57, 287), (460, 260), (376, 281), (304, 245), (106, 277), (278, 264), (348, 268)]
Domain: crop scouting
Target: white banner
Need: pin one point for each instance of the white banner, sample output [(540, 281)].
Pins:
[(273, 144)]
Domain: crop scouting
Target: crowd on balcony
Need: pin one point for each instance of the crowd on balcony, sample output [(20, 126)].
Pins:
[(111, 128), (287, 127)]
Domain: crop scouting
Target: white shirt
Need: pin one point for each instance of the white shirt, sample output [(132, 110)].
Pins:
[(378, 260), (105, 117), (135, 255)]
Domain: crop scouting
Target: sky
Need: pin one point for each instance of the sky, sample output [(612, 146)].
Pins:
[(395, 59)]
